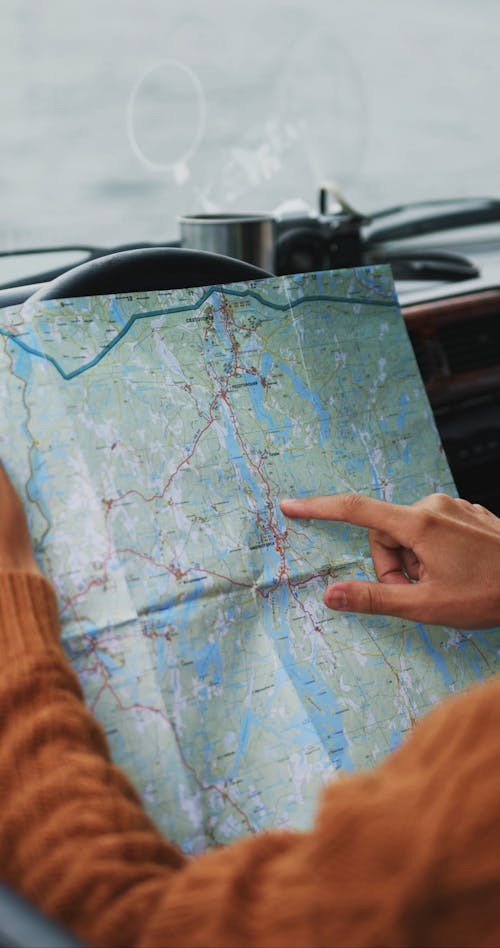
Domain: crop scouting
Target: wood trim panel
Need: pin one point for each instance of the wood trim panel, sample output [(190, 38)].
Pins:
[(450, 310)]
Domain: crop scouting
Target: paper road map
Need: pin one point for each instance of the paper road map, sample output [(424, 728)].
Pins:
[(151, 437)]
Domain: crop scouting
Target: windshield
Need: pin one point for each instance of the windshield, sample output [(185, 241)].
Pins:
[(120, 115)]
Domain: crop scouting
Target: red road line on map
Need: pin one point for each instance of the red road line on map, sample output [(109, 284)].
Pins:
[(221, 393), (136, 706)]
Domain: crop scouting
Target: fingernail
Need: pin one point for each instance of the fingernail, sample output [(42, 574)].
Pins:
[(336, 599), (287, 504)]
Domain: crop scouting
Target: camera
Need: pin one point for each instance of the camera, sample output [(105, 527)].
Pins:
[(327, 240)]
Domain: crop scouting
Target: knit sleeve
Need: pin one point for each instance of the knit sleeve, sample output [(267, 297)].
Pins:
[(407, 854)]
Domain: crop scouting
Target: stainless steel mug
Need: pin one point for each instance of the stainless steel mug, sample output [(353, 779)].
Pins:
[(247, 237)]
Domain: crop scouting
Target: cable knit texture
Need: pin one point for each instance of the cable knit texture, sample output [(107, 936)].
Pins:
[(408, 854)]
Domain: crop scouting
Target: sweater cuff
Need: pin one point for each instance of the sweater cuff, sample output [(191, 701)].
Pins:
[(28, 614)]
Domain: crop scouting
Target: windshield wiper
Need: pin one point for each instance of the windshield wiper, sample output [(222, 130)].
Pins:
[(87, 251), (428, 217)]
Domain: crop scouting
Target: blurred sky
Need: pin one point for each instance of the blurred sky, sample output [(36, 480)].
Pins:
[(119, 115)]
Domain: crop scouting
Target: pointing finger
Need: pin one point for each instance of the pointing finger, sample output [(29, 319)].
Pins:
[(393, 519)]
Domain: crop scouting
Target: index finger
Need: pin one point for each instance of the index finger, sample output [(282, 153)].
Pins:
[(357, 509)]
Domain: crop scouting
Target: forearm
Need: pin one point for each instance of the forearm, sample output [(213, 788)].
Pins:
[(74, 837)]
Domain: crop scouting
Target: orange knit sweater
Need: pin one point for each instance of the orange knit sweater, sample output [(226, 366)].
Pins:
[(408, 854)]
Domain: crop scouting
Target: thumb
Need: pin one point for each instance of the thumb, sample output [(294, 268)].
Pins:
[(407, 601)]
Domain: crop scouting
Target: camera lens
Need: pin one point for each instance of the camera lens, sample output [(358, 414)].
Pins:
[(301, 250)]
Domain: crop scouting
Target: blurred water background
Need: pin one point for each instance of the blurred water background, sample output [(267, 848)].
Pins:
[(119, 115)]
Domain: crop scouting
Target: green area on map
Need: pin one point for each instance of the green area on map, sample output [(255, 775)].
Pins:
[(151, 437)]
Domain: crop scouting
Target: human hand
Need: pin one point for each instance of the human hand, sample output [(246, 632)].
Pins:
[(437, 561), (16, 551)]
